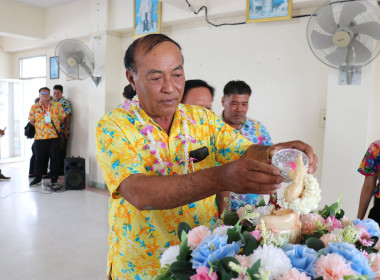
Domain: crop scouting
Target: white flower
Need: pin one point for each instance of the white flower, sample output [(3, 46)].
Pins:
[(221, 230), (273, 259), (170, 255)]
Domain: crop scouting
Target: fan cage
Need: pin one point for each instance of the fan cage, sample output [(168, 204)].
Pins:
[(72, 48), (372, 14)]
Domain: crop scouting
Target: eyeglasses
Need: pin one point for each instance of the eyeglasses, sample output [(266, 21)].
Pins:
[(44, 92)]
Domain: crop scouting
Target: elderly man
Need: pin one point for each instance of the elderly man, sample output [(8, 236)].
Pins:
[(198, 92), (144, 152), (235, 101)]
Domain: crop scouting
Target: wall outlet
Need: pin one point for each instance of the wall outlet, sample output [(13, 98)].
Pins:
[(322, 118)]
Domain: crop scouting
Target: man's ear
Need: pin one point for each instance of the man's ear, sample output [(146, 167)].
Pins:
[(223, 101), (131, 78)]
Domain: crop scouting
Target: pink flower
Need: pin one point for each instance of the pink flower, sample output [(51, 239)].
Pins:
[(309, 222), (161, 167), (203, 274), (185, 138), (375, 264), (292, 165), (256, 234), (333, 223), (294, 274), (245, 261), (196, 235), (147, 128), (330, 237), (365, 237), (332, 267)]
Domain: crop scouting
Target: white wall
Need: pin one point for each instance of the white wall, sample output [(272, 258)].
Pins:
[(288, 83), (6, 65)]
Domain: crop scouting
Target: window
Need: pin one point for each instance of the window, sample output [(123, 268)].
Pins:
[(33, 67)]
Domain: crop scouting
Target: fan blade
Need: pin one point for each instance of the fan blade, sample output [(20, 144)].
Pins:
[(349, 11), (338, 57), (321, 41), (362, 53), (371, 29), (325, 19)]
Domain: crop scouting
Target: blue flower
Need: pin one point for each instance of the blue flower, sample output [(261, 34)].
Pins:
[(359, 263), (301, 257), (211, 248), (371, 226)]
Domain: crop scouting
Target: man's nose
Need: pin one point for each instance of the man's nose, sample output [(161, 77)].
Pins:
[(168, 84)]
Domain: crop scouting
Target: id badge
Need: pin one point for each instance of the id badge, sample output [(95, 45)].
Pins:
[(47, 118)]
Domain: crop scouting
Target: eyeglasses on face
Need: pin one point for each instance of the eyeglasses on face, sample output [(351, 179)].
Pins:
[(44, 92)]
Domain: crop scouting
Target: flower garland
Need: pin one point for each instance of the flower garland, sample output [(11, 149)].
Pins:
[(154, 145), (309, 200)]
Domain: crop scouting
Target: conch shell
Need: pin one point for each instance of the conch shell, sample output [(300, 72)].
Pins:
[(294, 190)]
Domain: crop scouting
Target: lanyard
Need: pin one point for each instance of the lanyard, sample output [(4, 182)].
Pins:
[(43, 109)]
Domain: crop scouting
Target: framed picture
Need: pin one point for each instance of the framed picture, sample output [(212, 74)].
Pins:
[(268, 10), (147, 17), (54, 67)]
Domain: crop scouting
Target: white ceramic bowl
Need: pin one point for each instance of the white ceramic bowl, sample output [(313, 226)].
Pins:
[(283, 159)]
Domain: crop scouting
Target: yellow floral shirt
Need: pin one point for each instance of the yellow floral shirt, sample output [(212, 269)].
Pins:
[(46, 130), (138, 238)]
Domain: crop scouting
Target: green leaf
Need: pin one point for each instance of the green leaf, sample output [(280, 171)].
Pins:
[(183, 227), (262, 203), (182, 270), (223, 269), (250, 243), (254, 270), (230, 218), (314, 243), (164, 275), (233, 235), (184, 251)]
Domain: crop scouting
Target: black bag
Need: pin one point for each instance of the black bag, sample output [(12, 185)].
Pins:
[(29, 131)]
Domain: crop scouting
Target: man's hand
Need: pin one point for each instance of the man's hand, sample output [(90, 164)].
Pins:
[(299, 145), (246, 175), (66, 133), (2, 132)]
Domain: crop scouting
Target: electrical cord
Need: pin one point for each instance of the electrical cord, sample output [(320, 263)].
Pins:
[(234, 23), (48, 190), (207, 20)]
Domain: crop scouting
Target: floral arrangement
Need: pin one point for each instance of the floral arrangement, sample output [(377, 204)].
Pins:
[(241, 247)]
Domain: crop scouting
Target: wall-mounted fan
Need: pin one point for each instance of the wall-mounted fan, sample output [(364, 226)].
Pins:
[(76, 60), (345, 34)]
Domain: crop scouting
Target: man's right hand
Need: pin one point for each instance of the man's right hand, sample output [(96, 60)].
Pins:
[(246, 175)]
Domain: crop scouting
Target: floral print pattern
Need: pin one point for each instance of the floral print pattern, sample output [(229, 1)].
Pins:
[(137, 238), (46, 130), (370, 164)]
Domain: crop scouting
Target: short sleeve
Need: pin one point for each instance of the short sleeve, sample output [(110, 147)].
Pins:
[(117, 158), (67, 107), (371, 161), (31, 114), (229, 144)]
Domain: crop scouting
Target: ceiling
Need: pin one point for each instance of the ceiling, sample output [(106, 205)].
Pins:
[(44, 4)]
